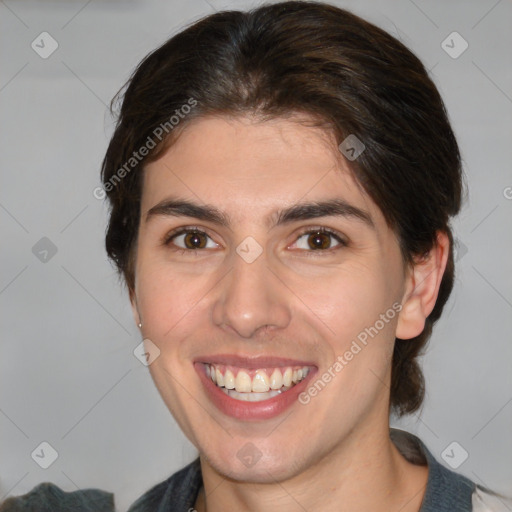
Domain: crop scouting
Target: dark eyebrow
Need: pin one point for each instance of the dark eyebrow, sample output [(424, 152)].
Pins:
[(184, 208), (328, 208), (301, 211)]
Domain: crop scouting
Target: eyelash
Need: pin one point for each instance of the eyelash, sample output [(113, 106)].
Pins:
[(326, 231)]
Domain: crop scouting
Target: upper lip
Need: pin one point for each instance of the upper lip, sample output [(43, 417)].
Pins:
[(252, 362)]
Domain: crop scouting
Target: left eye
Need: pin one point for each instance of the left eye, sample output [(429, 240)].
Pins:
[(318, 240)]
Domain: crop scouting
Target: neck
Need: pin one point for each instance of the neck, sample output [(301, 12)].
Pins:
[(366, 473)]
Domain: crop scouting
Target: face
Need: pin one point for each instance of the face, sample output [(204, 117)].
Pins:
[(269, 282)]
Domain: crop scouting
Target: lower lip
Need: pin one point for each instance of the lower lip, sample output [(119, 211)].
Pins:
[(247, 411)]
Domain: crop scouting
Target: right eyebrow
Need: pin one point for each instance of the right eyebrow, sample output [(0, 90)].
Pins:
[(181, 208)]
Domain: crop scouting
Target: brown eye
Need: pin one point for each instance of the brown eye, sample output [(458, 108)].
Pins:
[(191, 240), (194, 240), (319, 241)]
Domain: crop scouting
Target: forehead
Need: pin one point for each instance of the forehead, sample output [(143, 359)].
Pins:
[(250, 167)]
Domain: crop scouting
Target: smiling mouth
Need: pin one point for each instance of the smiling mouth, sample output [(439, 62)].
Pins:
[(255, 385)]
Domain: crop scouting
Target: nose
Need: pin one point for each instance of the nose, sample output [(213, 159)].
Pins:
[(251, 298)]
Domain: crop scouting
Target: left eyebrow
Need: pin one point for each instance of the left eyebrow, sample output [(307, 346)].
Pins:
[(329, 208), (298, 212)]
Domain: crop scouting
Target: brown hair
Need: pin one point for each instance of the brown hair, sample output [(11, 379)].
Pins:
[(316, 59)]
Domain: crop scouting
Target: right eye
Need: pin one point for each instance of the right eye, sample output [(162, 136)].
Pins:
[(190, 239)]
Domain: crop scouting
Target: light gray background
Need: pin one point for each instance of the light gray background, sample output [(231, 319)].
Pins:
[(68, 375)]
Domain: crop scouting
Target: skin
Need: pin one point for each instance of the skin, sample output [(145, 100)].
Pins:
[(333, 453)]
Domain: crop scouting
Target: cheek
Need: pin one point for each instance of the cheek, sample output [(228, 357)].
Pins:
[(168, 299), (349, 299)]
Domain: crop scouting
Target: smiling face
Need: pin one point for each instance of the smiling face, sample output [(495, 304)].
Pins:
[(260, 261)]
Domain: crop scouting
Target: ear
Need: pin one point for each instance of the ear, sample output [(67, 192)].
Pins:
[(135, 308), (422, 287)]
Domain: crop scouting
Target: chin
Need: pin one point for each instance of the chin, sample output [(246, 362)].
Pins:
[(263, 472), (250, 464)]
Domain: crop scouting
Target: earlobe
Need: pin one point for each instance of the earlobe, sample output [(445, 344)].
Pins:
[(135, 309), (422, 288)]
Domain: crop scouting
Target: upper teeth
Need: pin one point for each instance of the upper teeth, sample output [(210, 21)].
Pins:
[(261, 382)]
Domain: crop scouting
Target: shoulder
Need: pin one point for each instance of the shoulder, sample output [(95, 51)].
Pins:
[(176, 494), (485, 500), (47, 497), (447, 491)]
